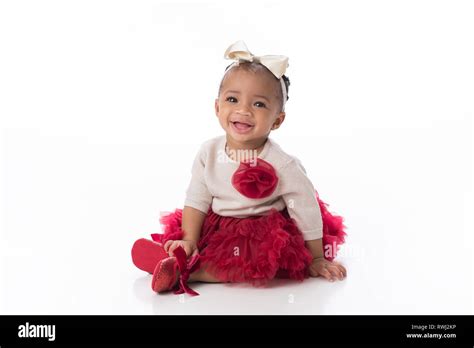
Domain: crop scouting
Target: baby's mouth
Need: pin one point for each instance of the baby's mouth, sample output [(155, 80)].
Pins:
[(242, 126)]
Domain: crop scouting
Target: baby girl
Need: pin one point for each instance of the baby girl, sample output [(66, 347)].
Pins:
[(251, 214)]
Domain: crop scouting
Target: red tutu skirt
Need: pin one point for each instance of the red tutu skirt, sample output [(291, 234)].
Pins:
[(257, 248)]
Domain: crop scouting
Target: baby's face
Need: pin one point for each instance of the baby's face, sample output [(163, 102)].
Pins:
[(248, 106)]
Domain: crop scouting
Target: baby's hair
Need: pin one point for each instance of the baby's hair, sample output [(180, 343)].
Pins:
[(257, 67)]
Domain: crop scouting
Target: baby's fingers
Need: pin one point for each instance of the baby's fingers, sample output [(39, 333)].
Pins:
[(336, 273), (173, 246), (170, 246), (167, 244), (343, 270), (326, 274)]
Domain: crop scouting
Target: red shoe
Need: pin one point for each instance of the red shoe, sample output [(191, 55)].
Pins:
[(166, 275), (147, 253)]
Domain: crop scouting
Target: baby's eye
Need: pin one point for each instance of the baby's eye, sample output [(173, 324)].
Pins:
[(260, 105), (231, 99)]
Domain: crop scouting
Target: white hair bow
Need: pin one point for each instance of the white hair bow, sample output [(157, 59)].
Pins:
[(239, 52)]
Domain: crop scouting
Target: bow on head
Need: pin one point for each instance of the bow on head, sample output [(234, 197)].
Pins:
[(239, 52)]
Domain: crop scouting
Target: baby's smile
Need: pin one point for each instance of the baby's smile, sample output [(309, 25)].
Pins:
[(241, 127)]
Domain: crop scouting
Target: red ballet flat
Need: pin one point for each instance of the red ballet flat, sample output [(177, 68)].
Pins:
[(165, 275), (147, 253), (173, 273)]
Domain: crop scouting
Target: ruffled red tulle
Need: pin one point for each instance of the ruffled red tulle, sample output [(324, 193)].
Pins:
[(257, 248), (333, 230)]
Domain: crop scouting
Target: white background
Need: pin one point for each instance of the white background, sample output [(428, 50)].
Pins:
[(103, 105)]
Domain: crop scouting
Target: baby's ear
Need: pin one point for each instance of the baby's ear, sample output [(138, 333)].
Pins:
[(279, 120), (216, 106)]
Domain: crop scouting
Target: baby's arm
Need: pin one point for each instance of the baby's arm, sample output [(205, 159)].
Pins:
[(191, 225), (197, 203), (303, 207)]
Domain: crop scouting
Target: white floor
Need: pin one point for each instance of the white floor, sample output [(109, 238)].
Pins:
[(74, 208)]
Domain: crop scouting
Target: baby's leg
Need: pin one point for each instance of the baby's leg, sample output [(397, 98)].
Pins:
[(201, 275)]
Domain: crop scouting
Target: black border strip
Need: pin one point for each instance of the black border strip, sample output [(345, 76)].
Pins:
[(86, 330)]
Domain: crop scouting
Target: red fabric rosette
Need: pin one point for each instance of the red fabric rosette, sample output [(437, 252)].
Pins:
[(255, 179)]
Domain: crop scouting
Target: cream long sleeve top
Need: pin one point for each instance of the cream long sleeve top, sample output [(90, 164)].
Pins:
[(211, 186)]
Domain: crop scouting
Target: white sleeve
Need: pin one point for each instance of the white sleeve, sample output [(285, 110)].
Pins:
[(300, 199), (197, 194)]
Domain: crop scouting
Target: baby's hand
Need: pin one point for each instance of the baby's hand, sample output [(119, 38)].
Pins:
[(330, 270), (189, 246)]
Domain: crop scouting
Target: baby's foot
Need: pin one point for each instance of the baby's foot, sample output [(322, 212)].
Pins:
[(165, 275), (147, 253)]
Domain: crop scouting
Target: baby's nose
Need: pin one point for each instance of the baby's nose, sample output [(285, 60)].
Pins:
[(243, 110)]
